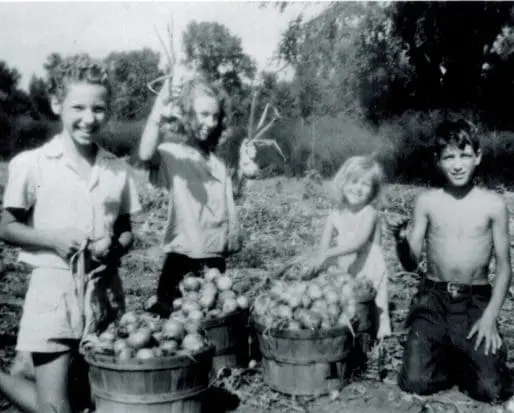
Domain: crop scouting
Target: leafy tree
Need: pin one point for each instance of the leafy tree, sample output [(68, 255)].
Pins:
[(131, 72), (213, 50), (346, 59), (38, 93), (13, 101), (446, 47)]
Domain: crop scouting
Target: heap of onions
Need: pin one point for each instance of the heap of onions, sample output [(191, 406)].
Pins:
[(210, 296), (324, 302), (144, 336)]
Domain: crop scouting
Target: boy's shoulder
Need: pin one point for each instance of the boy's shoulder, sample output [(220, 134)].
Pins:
[(490, 200), (429, 196)]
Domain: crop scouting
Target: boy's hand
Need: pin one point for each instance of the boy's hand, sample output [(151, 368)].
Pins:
[(67, 242), (397, 225), (485, 329)]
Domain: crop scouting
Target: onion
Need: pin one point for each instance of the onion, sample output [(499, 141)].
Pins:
[(168, 347), (191, 283), (211, 274), (192, 342), (140, 338), (177, 303), (224, 283), (172, 330), (124, 354), (145, 354), (119, 345), (128, 318), (242, 302), (107, 336)]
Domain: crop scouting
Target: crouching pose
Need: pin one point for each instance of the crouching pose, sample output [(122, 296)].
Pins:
[(453, 337)]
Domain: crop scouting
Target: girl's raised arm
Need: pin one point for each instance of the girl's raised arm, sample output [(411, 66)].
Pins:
[(150, 139)]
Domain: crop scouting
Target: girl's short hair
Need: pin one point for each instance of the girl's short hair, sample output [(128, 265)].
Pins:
[(77, 68), (199, 85), (354, 167)]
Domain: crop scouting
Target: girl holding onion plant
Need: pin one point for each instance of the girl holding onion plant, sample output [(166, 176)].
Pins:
[(202, 227)]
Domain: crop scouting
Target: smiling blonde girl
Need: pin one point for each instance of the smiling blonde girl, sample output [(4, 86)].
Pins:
[(356, 225)]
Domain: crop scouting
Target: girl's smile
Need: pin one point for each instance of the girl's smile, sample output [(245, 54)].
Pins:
[(83, 111), (357, 190)]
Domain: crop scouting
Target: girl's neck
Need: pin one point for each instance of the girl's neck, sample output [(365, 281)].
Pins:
[(353, 209), (200, 146)]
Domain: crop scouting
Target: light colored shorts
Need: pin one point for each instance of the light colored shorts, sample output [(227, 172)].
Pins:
[(46, 325)]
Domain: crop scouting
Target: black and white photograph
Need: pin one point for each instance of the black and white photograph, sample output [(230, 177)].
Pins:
[(256, 207)]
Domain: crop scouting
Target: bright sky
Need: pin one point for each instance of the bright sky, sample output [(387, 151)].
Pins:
[(30, 31)]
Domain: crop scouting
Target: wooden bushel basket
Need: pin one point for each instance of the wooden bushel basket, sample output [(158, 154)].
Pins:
[(229, 334), (172, 384), (304, 363)]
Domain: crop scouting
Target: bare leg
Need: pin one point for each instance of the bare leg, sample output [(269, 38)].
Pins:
[(52, 382), (20, 391)]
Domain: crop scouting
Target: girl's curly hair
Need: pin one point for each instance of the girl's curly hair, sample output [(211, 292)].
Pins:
[(77, 68), (199, 85)]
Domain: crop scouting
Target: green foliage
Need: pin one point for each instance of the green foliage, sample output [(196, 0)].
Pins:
[(38, 94), (131, 72), (13, 101), (213, 50)]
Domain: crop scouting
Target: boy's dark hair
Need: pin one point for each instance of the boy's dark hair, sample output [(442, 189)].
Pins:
[(456, 132), (77, 68)]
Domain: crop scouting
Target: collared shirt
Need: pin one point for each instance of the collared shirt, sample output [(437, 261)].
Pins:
[(202, 220), (45, 182)]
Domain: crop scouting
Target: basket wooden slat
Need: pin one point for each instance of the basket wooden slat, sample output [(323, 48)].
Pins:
[(307, 363), (166, 384)]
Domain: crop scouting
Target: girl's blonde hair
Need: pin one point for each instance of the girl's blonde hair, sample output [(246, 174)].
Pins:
[(190, 90), (357, 166)]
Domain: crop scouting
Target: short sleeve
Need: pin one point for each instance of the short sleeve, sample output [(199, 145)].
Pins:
[(130, 200), (20, 192)]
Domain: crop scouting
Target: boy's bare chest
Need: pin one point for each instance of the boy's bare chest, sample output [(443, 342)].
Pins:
[(470, 222)]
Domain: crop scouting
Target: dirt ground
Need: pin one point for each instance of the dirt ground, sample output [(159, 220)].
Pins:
[(276, 227)]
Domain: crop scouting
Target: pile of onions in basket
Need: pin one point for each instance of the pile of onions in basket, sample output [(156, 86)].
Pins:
[(327, 301)]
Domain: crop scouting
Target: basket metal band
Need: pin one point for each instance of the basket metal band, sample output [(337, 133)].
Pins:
[(151, 398)]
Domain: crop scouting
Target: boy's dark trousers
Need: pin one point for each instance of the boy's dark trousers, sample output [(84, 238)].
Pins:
[(175, 267), (438, 354)]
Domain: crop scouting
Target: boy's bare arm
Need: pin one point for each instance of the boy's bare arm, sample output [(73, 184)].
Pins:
[(485, 328), (409, 247), (501, 243), (13, 230)]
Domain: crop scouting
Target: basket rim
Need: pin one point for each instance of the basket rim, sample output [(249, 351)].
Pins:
[(218, 321), (300, 334), (157, 363)]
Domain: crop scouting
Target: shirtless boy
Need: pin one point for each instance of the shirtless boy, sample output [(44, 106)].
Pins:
[(453, 337)]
